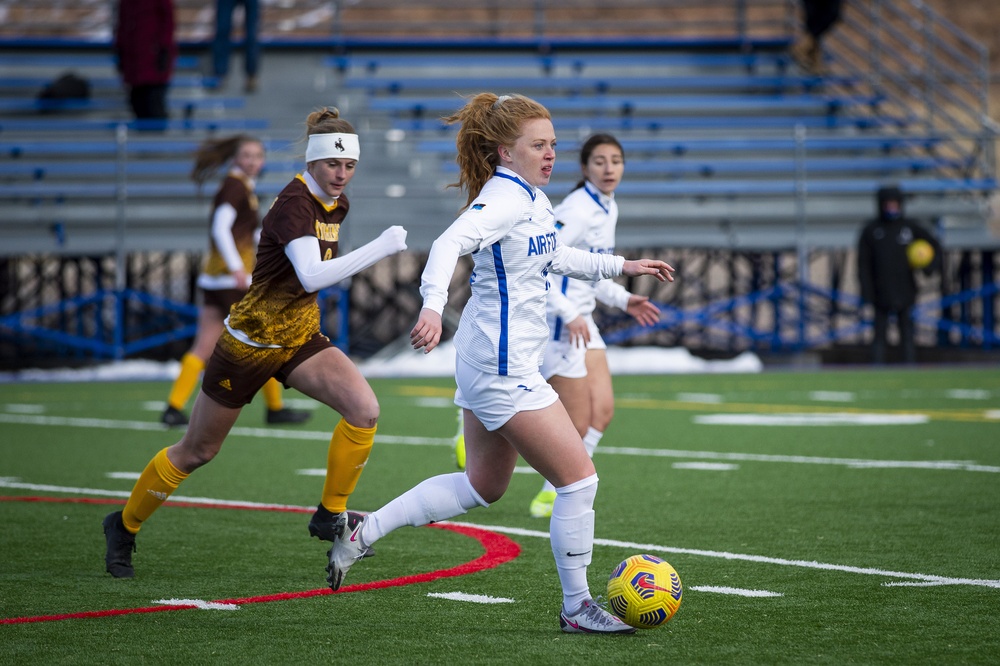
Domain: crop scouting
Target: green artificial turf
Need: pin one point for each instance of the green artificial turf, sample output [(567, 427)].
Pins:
[(878, 543)]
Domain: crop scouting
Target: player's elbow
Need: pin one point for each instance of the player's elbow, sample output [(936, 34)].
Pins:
[(309, 282)]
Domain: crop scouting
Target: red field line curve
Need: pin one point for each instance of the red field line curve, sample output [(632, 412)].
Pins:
[(499, 549)]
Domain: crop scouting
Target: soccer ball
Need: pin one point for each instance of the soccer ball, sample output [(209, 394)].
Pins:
[(920, 254), (644, 591)]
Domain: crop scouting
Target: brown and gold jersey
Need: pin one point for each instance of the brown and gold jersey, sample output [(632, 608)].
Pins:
[(237, 191), (277, 309)]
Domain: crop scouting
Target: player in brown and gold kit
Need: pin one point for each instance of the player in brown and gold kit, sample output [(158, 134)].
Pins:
[(274, 331), (226, 273)]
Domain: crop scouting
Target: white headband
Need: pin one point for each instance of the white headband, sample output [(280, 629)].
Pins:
[(327, 146)]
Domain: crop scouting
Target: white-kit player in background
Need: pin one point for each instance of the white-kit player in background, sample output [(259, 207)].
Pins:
[(576, 361)]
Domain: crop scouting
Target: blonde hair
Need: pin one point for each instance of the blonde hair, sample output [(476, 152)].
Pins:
[(213, 153), (327, 121), (488, 122)]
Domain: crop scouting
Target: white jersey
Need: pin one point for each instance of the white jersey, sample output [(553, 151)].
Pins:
[(586, 220), (510, 231)]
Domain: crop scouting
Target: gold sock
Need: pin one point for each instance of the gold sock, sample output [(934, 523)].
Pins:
[(191, 367), (155, 484), (345, 460), (272, 394)]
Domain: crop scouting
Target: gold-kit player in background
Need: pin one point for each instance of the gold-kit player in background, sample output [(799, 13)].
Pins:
[(506, 150), (225, 275), (274, 331)]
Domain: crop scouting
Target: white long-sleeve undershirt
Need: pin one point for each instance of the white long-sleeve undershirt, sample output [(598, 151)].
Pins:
[(316, 274), (222, 234)]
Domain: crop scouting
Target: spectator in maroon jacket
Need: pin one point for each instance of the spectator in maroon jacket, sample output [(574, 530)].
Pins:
[(146, 50)]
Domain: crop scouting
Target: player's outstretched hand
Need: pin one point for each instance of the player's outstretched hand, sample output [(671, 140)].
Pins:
[(426, 334), (642, 310), (663, 271)]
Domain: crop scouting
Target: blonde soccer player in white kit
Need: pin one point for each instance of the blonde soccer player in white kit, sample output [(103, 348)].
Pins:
[(506, 149), (576, 363)]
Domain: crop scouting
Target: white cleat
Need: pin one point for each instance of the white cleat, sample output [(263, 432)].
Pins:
[(347, 549), (592, 619)]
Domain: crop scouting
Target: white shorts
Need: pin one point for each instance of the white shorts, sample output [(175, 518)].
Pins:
[(495, 399), (596, 341), (564, 359)]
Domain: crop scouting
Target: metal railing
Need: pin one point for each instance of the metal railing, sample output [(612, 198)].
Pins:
[(926, 71)]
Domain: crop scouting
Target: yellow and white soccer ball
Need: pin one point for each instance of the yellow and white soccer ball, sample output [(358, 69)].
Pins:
[(644, 591), (920, 254)]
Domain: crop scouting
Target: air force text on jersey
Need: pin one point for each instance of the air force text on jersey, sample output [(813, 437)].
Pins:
[(543, 244)]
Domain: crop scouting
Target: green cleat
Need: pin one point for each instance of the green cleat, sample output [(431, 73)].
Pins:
[(541, 506)]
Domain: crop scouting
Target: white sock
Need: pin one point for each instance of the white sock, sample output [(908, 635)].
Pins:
[(437, 498), (571, 533), (591, 439)]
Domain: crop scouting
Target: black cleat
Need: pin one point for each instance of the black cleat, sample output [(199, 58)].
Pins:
[(173, 418), (323, 525), (285, 415), (121, 545)]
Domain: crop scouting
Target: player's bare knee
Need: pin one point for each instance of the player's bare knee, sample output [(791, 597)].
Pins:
[(490, 490), (602, 418), (187, 457), (364, 415), (371, 412)]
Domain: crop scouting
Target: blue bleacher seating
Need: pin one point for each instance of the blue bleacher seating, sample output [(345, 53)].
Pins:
[(187, 104), (24, 60), (789, 187), (31, 148), (585, 84), (91, 169), (762, 145), (750, 61), (638, 104), (56, 124), (98, 84)]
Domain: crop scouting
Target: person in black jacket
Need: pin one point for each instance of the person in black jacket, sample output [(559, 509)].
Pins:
[(818, 17), (886, 273)]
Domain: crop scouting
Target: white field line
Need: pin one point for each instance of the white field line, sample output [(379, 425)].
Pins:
[(629, 545), (969, 394), (706, 466), (197, 603), (814, 420), (316, 435), (474, 598), (263, 433), (101, 492), (832, 396), (701, 398), (740, 592), (127, 476), (761, 559), (965, 465)]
